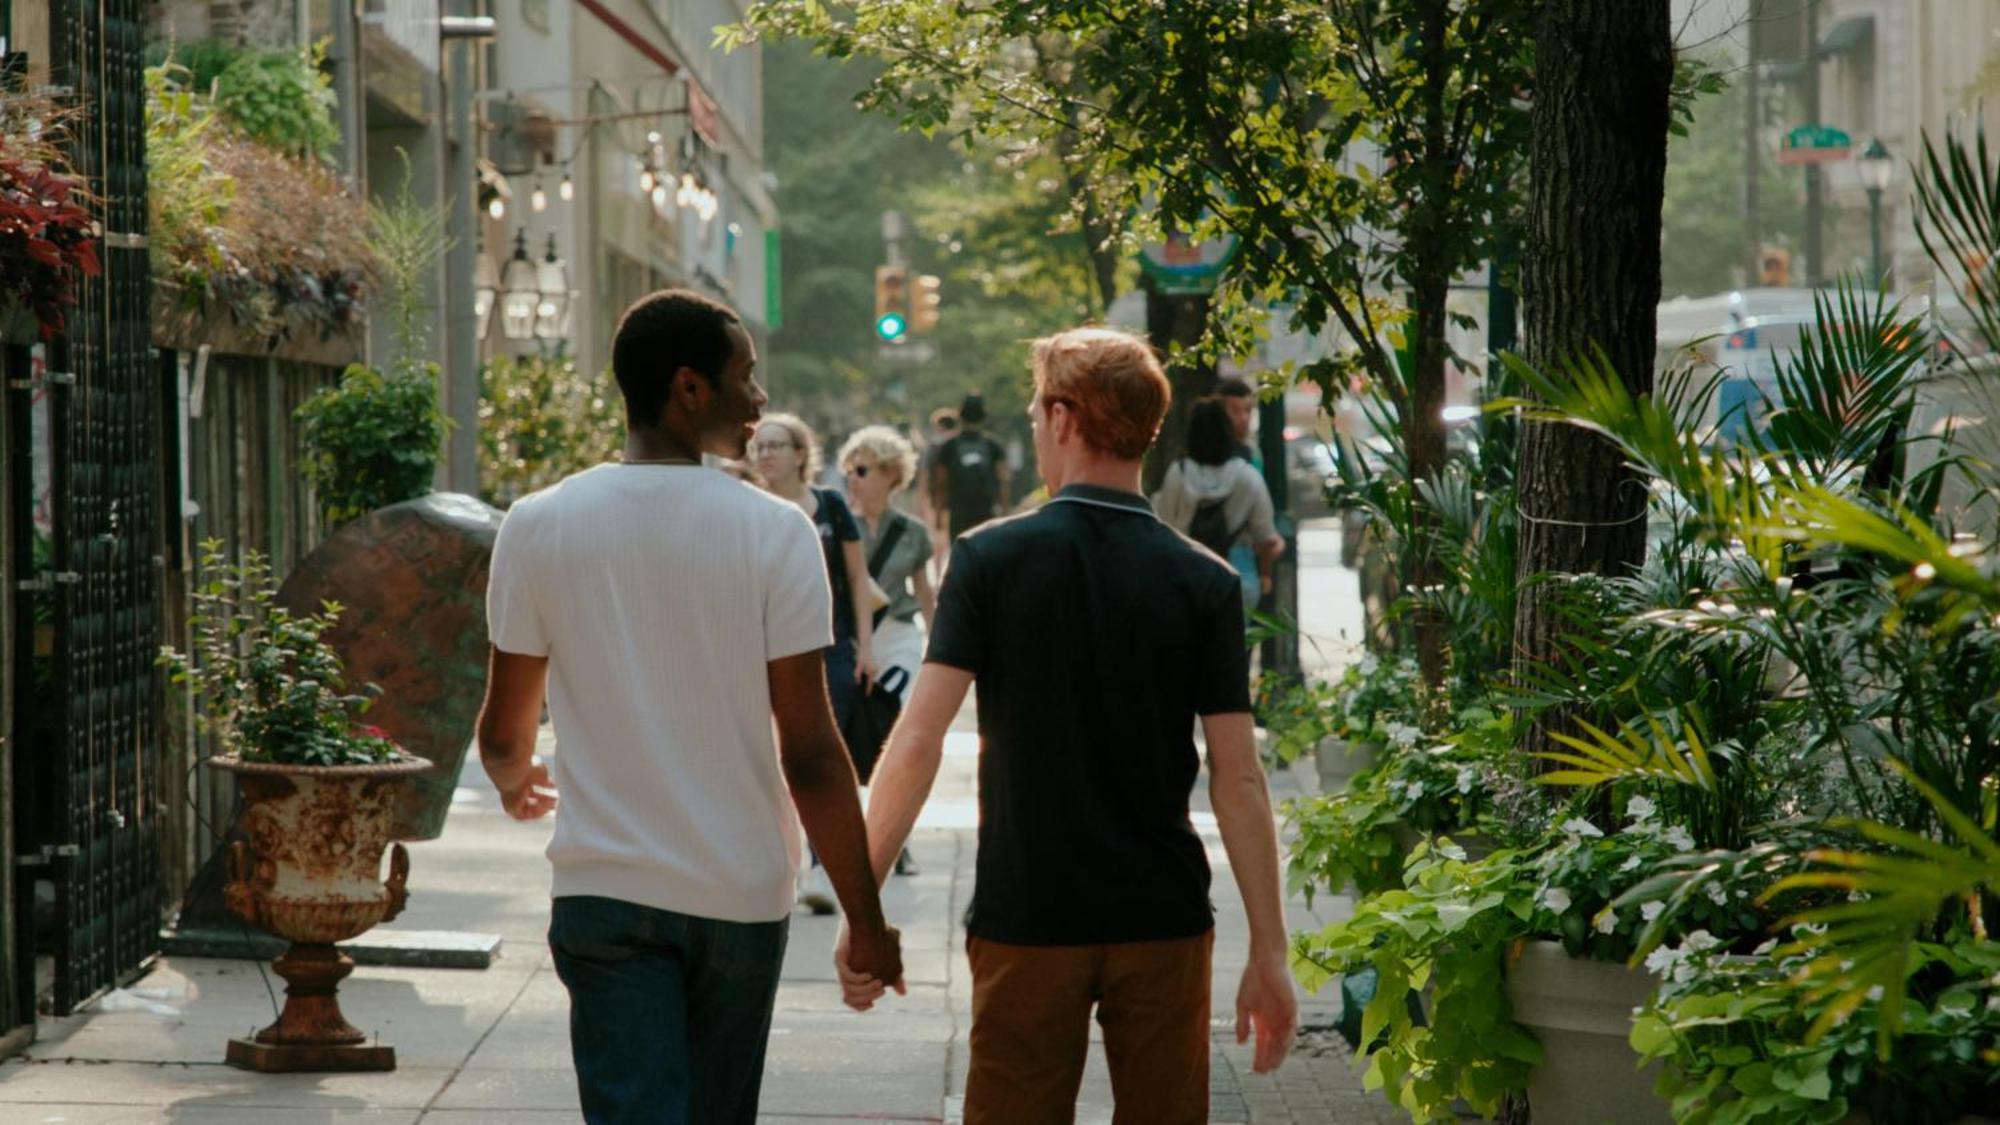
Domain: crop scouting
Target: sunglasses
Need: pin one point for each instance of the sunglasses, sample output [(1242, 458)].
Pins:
[(772, 446)]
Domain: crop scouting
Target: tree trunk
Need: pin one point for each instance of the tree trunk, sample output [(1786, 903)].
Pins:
[(1603, 74), (1176, 319), (1423, 443)]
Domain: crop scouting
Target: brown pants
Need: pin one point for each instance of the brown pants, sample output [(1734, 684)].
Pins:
[(1031, 1030)]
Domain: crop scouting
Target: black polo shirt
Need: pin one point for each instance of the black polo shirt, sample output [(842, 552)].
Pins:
[(1097, 634)]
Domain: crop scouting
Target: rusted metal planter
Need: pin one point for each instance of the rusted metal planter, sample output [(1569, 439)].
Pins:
[(312, 874)]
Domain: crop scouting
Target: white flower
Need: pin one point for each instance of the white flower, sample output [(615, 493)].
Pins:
[(1717, 894), (1765, 948), (1640, 810), (1368, 665), (1555, 899), (1660, 960), (1631, 863), (1679, 838), (1465, 779), (1402, 734), (1875, 992), (1700, 940), (1652, 910), (1606, 921), (1577, 826)]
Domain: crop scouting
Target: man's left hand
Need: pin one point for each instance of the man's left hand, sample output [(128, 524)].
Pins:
[(1267, 1002), (535, 797)]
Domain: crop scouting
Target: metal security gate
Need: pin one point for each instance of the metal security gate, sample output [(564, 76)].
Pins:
[(88, 735)]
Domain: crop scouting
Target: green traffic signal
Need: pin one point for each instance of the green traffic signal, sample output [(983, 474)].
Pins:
[(890, 327)]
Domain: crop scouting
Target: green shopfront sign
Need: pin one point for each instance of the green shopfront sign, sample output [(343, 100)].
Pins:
[(1814, 144)]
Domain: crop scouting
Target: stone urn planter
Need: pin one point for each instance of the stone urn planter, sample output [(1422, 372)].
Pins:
[(1581, 1011), (312, 874), (1339, 760)]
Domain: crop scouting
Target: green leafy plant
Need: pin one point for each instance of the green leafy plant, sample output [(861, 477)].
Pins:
[(541, 420), (371, 440), (1738, 1040), (374, 438), (263, 678), (283, 99)]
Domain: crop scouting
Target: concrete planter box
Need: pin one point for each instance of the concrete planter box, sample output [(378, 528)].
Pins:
[(1339, 760), (1582, 1013)]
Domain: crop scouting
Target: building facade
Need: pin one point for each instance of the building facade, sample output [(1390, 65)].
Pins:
[(658, 135)]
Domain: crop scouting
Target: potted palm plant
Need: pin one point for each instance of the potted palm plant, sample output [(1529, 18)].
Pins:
[(318, 793)]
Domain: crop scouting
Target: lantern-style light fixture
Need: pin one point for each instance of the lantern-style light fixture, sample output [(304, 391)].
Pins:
[(566, 190), (1875, 166), (519, 293), (485, 288), (552, 288), (538, 200)]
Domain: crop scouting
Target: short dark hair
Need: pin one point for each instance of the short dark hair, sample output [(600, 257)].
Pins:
[(973, 410), (660, 334), (1211, 439), (1232, 387)]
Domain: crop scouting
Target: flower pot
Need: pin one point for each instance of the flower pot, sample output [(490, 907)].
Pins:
[(1581, 1011), (1339, 760), (311, 873)]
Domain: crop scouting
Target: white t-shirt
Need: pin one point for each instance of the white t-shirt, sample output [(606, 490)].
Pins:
[(660, 593)]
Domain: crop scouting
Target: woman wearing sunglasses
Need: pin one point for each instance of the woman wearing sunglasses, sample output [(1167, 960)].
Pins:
[(878, 463)]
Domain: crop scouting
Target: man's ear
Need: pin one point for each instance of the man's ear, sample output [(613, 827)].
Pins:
[(690, 389)]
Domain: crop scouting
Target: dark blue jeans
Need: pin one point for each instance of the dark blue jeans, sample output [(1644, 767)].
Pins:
[(668, 1013), (840, 678)]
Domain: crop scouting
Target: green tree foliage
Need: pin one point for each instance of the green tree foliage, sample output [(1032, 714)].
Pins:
[(981, 220), (1308, 130), (1705, 243)]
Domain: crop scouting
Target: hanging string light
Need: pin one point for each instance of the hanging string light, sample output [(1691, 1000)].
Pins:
[(566, 190), (538, 199)]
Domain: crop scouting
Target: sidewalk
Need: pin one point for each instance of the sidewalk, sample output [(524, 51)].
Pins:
[(492, 1045)]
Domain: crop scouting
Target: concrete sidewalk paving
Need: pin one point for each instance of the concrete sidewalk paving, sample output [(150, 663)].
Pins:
[(492, 1045)]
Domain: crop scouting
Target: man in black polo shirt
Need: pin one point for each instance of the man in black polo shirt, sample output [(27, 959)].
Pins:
[(1097, 635)]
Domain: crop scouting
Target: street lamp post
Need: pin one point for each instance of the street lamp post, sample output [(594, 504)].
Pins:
[(1876, 169)]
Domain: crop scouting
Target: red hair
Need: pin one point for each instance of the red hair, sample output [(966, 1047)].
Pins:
[(1111, 381)]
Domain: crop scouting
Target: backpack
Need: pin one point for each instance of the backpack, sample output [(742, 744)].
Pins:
[(972, 475), (1210, 527)]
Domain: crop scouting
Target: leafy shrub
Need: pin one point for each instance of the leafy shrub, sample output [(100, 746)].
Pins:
[(539, 421), (372, 440), (282, 99)]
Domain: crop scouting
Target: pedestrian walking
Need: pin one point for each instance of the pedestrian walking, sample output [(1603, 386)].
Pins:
[(935, 513), (786, 454), (969, 475), (669, 614), (1098, 636), (1217, 499), (878, 463)]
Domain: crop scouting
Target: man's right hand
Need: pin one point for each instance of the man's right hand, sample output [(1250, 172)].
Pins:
[(869, 964)]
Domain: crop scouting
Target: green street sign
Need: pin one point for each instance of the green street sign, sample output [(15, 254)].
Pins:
[(1814, 144)]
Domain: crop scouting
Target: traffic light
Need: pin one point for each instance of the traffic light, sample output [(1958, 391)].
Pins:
[(1774, 267), (924, 304), (892, 303)]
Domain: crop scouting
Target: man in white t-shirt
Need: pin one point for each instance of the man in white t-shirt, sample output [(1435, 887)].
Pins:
[(669, 613)]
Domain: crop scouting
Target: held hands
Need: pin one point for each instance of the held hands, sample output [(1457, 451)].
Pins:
[(869, 965), (534, 797), (1265, 1001)]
